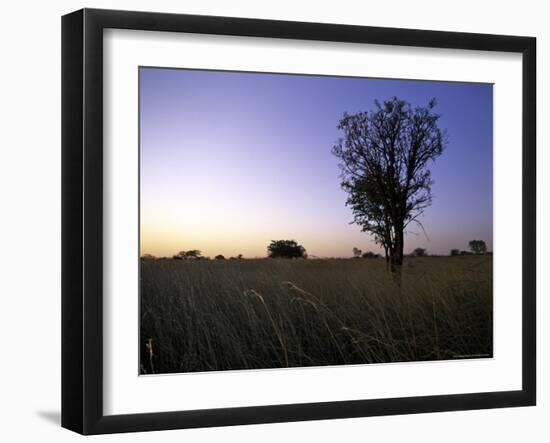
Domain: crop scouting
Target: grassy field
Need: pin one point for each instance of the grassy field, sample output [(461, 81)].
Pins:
[(207, 315)]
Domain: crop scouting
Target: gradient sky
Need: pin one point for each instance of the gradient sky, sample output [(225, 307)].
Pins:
[(230, 161)]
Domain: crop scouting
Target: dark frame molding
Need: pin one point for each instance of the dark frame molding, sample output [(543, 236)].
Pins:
[(82, 218)]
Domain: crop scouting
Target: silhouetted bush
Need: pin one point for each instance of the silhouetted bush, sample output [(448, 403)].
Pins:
[(193, 254), (419, 252), (370, 254), (478, 246), (285, 249)]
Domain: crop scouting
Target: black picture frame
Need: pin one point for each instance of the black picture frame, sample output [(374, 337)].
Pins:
[(82, 216)]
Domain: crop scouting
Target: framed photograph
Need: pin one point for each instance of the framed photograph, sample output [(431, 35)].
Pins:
[(268, 221)]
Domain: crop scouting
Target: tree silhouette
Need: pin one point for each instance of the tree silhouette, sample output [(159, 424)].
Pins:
[(193, 254), (419, 252), (384, 157), (455, 252), (478, 246), (285, 249), (219, 257), (357, 253)]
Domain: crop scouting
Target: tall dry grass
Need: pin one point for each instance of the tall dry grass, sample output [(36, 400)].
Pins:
[(244, 314)]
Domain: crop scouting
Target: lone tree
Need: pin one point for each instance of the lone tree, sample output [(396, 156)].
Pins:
[(357, 253), (478, 246), (286, 249), (384, 159), (219, 257)]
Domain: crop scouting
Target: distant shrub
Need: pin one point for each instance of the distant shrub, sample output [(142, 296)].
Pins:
[(193, 254), (419, 252), (455, 252), (285, 249), (478, 246), (370, 254), (219, 257)]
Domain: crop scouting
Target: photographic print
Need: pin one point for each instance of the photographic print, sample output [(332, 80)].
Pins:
[(292, 220)]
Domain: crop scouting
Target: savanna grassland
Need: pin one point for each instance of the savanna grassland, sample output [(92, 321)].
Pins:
[(208, 315)]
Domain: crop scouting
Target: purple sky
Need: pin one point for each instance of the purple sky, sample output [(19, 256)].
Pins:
[(230, 161)]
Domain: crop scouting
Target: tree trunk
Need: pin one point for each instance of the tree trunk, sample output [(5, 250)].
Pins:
[(396, 259)]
